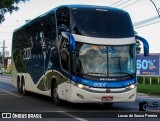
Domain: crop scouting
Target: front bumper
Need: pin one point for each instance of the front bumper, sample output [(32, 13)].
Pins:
[(96, 95)]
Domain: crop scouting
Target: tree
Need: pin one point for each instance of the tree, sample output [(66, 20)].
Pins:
[(138, 44), (8, 6)]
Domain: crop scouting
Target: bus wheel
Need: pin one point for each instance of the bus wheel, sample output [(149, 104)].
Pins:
[(55, 96), (18, 86), (108, 105), (23, 90)]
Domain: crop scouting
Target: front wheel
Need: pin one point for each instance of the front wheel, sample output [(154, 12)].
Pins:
[(23, 90), (54, 94), (19, 86)]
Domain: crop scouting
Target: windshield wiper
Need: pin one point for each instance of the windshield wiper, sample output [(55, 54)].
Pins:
[(131, 75), (92, 73)]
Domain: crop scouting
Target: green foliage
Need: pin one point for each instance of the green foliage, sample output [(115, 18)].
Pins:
[(8, 6), (149, 89), (147, 80), (140, 79), (138, 46), (7, 73), (154, 80)]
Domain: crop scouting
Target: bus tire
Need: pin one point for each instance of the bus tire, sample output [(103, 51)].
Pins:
[(18, 85), (54, 93), (23, 90)]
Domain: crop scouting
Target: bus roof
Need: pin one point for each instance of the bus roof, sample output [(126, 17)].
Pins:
[(75, 6), (79, 6)]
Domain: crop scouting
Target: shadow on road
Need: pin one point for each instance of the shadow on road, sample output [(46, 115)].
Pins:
[(79, 106)]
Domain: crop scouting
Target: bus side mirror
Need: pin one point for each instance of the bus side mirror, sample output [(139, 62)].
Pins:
[(65, 59), (72, 46), (71, 49), (64, 54), (145, 45)]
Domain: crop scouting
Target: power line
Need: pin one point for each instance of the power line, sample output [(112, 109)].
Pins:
[(156, 8), (115, 3), (147, 24), (149, 21), (123, 3), (130, 4), (146, 21), (3, 47)]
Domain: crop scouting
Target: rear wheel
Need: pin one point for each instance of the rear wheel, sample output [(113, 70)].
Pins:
[(23, 90), (18, 86)]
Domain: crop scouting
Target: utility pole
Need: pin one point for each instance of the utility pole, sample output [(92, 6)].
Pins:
[(3, 58), (3, 53)]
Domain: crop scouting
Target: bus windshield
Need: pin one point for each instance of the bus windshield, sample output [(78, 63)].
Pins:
[(102, 24), (105, 61)]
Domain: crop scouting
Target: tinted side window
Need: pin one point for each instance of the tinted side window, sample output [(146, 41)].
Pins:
[(63, 20), (103, 24), (63, 24), (42, 41)]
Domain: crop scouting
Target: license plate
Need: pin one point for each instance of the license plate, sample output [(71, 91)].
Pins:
[(107, 98)]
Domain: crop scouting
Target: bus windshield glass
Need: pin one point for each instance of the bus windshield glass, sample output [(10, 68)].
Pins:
[(101, 23), (105, 61)]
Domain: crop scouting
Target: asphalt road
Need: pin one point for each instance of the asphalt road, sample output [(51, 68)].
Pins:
[(42, 106)]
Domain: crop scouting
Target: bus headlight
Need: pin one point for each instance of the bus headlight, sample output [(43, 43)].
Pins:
[(132, 86), (81, 86)]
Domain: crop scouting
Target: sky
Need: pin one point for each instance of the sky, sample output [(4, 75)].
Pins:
[(140, 10)]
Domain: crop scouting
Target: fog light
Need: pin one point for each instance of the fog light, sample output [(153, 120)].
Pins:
[(80, 96), (131, 96)]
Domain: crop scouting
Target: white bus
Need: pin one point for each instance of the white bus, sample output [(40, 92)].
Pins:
[(77, 53)]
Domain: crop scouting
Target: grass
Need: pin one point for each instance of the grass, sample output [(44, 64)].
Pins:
[(6, 72), (153, 89)]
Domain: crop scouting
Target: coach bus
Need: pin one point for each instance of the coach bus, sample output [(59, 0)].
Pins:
[(77, 53)]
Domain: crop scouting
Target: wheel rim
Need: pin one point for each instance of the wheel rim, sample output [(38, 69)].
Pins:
[(23, 88), (55, 95), (18, 86)]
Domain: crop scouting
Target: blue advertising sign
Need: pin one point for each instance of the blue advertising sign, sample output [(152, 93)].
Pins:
[(148, 65)]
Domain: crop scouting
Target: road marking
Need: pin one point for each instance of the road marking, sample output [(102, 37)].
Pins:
[(9, 93), (5, 77), (75, 117), (148, 98), (135, 107), (70, 115)]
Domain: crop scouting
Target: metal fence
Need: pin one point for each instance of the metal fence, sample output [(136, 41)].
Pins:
[(148, 79)]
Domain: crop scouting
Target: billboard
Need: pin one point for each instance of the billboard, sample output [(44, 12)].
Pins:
[(148, 65)]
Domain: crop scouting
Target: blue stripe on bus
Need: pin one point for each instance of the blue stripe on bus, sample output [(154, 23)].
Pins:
[(72, 44), (103, 84)]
